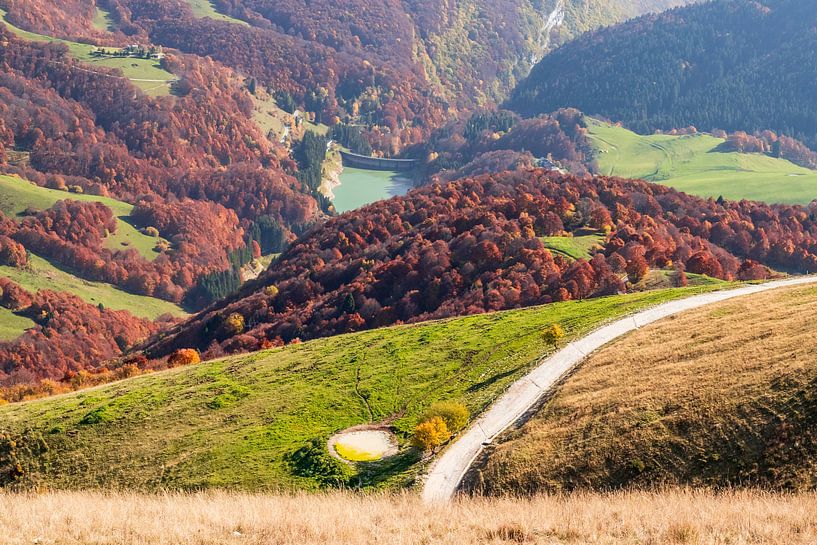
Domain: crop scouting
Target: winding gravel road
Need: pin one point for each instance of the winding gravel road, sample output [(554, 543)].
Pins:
[(447, 471)]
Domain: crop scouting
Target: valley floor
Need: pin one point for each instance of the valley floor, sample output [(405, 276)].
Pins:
[(632, 518)]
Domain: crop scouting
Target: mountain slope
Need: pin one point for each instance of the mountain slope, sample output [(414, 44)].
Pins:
[(400, 67), (727, 64), (476, 245), (714, 397), (570, 18), (235, 422), (105, 189)]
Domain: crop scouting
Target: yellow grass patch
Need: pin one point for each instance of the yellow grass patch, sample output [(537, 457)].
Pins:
[(666, 518), (722, 395)]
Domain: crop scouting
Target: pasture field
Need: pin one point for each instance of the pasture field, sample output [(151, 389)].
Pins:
[(694, 165), (716, 397), (236, 422), (146, 74), (670, 517), (43, 275), (269, 117), (658, 279), (103, 20), (575, 247), (17, 195), (205, 8), (12, 325)]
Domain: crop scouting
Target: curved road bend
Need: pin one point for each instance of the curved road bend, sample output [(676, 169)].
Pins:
[(448, 470)]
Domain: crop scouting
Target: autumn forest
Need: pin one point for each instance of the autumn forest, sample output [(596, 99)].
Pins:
[(234, 224)]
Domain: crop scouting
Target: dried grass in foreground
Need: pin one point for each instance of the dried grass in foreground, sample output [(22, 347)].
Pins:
[(631, 518), (724, 395)]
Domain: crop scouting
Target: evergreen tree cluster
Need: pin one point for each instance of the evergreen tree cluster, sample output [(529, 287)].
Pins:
[(351, 137), (269, 235), (212, 287), (310, 154), (271, 238), (500, 121)]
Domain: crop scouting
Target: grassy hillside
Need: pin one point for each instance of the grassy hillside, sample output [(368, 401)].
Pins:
[(721, 396), (146, 74), (235, 422), (103, 20), (658, 279), (269, 117), (12, 325), (40, 275), (575, 247), (205, 8), (693, 164), (17, 195), (666, 518)]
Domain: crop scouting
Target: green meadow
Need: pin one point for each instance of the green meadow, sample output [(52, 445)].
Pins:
[(235, 422), (694, 165), (12, 325), (575, 247), (43, 275), (103, 20), (205, 8)]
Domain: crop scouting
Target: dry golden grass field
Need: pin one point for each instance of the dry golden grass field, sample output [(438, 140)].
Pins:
[(637, 518), (720, 396)]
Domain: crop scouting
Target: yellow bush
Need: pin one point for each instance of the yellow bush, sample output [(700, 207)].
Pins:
[(455, 415), (553, 334), (430, 434), (184, 356), (271, 291), (234, 324)]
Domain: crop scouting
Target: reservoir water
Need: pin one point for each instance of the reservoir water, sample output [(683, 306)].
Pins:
[(359, 187)]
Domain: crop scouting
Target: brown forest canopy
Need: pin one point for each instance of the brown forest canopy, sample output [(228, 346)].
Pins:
[(401, 67), (199, 153), (473, 246)]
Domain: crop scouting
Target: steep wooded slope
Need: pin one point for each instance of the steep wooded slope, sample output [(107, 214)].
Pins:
[(156, 196), (727, 64), (399, 66)]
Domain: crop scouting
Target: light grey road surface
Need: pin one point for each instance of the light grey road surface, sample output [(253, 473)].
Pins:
[(448, 470)]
